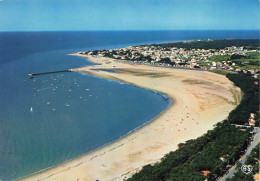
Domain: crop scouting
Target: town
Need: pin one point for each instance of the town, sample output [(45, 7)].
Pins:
[(233, 58)]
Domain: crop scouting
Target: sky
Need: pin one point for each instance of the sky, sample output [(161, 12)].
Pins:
[(88, 15)]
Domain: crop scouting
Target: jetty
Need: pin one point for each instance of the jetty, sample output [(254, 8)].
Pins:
[(43, 73)]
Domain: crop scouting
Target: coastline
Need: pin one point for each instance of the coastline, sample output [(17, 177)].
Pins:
[(200, 100)]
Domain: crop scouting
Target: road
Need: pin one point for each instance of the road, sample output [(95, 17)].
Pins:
[(243, 158)]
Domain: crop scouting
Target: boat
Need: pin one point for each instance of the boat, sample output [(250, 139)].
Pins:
[(31, 109), (31, 75)]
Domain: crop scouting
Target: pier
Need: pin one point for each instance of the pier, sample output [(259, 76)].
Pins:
[(43, 73)]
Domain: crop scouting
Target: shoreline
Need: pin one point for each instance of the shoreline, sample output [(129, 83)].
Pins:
[(199, 108), (100, 147)]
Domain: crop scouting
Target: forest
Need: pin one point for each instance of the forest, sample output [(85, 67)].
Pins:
[(203, 153)]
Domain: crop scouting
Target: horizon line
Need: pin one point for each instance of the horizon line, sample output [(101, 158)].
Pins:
[(126, 30)]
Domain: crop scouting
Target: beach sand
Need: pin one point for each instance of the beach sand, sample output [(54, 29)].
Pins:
[(200, 100)]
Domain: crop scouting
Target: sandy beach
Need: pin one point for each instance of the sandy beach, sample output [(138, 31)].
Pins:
[(200, 100)]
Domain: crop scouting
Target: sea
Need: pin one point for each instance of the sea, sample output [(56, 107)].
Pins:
[(53, 118)]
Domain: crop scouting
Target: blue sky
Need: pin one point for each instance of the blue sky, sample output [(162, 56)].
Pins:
[(80, 15)]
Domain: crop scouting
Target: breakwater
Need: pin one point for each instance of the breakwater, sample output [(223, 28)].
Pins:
[(53, 72)]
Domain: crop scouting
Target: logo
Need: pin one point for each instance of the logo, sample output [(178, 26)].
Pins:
[(246, 169)]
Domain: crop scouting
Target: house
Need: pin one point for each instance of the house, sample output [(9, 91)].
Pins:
[(205, 172), (256, 177), (251, 123), (252, 71), (251, 120), (256, 82), (123, 57), (223, 158), (252, 115)]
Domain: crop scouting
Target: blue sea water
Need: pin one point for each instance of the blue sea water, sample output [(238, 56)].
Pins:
[(57, 117)]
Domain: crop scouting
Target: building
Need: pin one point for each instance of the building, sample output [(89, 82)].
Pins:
[(251, 123), (251, 120), (252, 115), (205, 172), (257, 177), (223, 158)]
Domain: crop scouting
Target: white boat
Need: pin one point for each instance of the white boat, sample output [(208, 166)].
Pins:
[(31, 109)]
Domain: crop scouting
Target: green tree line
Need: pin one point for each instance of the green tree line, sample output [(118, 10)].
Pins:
[(212, 44), (250, 101)]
